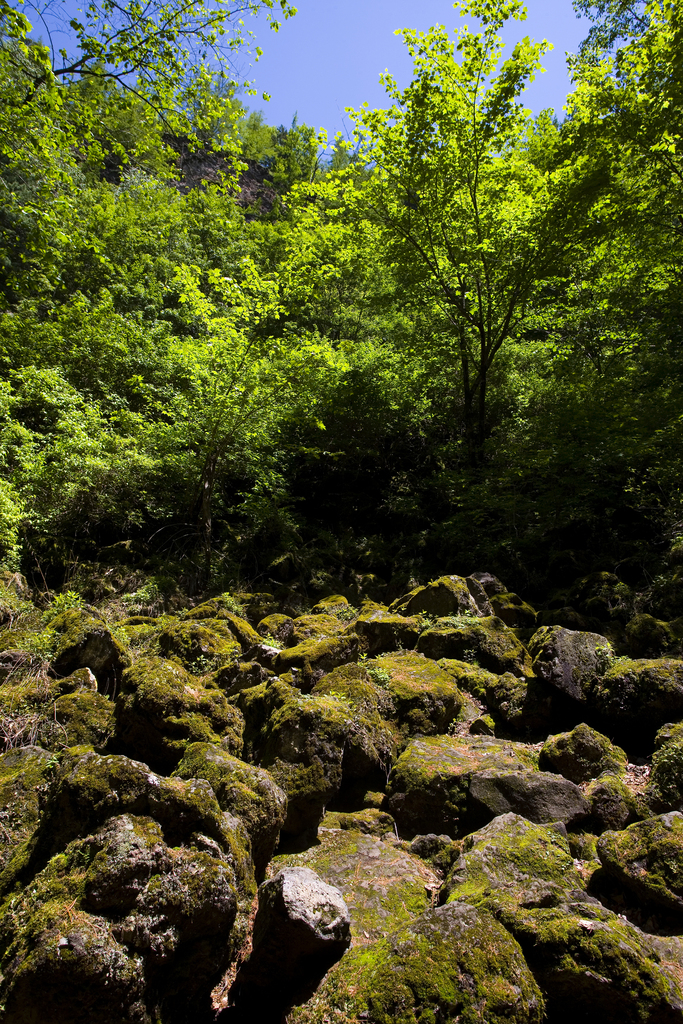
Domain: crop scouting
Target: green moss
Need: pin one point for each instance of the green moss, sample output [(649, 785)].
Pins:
[(665, 788), (509, 856), (448, 595), (313, 658), (309, 742), (524, 705), (647, 858), (383, 886), (452, 964), (425, 698), (86, 718), (382, 630), (22, 773), (648, 637), (161, 709), (640, 693), (582, 754), (370, 821), (470, 678), (486, 640), (85, 641), (249, 793), (613, 805), (429, 783), (513, 610), (198, 647)]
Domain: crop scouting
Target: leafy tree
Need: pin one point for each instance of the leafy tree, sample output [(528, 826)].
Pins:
[(474, 214)]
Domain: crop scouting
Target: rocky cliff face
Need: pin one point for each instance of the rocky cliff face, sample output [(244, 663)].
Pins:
[(451, 808)]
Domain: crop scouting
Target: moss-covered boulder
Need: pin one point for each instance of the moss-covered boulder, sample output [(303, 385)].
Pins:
[(239, 676), (316, 627), (664, 791), (429, 785), (161, 709), (86, 718), (469, 677), (591, 965), (647, 637), (23, 772), (85, 641), (382, 630), (639, 696), (488, 641), (306, 742), (311, 659), (213, 612), (613, 804), (581, 755), (121, 926), (524, 705), (247, 792), (568, 660), (425, 699), (371, 743), (199, 647), (449, 595), (371, 821), (277, 627), (90, 788), (333, 604), (383, 886), (513, 610), (519, 860), (603, 596), (647, 859), (453, 964)]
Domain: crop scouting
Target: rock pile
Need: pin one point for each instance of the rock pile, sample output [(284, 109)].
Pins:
[(450, 808)]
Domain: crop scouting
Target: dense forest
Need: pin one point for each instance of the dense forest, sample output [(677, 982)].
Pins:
[(241, 355)]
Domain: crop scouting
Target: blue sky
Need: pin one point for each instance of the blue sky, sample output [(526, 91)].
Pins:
[(332, 53)]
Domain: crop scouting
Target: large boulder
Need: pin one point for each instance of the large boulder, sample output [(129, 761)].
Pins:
[(249, 793), (637, 697), (86, 718), (161, 709), (453, 964), (429, 784), (315, 627), (524, 705), (384, 886), (665, 788), (614, 805), (302, 928), (425, 699), (590, 964), (309, 742), (132, 898), (89, 788), (200, 646), (538, 796), (569, 660), (311, 659), (581, 755), (85, 641), (381, 630), (513, 610), (647, 859), (22, 772), (122, 926), (488, 641), (449, 595)]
